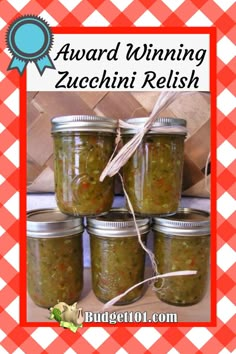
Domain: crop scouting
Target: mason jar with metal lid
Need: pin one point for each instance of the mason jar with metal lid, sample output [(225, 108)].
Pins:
[(117, 258), (153, 175), (83, 146), (182, 242), (54, 257)]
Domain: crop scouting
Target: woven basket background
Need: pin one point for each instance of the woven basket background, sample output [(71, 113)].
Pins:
[(42, 106)]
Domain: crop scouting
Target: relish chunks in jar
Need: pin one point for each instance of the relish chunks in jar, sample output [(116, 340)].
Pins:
[(83, 146), (54, 257), (117, 258), (153, 174), (182, 242)]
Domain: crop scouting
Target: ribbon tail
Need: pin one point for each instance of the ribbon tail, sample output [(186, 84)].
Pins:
[(44, 63), (17, 64)]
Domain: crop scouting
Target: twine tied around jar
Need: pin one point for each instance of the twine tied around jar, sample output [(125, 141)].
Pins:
[(163, 101)]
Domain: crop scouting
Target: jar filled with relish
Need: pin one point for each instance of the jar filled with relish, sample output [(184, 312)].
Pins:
[(153, 174), (182, 242), (117, 258), (54, 257), (83, 146)]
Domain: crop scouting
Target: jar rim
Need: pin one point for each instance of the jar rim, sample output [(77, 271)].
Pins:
[(85, 123), (165, 125), (51, 222), (186, 221), (118, 222)]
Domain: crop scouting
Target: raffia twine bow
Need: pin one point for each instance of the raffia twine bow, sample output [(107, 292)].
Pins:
[(114, 164)]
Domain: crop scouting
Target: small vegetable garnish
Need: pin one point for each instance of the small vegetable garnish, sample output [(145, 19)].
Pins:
[(70, 317), (57, 314)]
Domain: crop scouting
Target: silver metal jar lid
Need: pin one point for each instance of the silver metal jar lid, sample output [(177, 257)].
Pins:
[(117, 223), (51, 223), (83, 123), (186, 222), (176, 124)]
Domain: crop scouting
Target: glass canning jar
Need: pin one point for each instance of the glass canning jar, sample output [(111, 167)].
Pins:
[(182, 242), (117, 258), (82, 147), (54, 257), (153, 174)]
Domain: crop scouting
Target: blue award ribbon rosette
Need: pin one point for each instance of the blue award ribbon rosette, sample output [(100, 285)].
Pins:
[(29, 39)]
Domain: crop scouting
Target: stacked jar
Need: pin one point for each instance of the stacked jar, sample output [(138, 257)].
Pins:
[(54, 257), (83, 146), (182, 242), (153, 174), (117, 258)]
